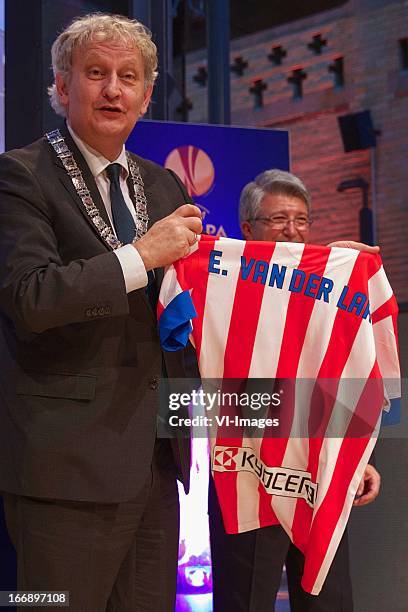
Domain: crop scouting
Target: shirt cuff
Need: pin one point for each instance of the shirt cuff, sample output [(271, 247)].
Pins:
[(134, 271)]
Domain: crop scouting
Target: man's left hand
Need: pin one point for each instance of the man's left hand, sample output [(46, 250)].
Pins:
[(359, 246), (369, 487)]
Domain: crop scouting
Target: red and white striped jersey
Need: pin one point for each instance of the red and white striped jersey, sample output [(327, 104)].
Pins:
[(316, 319)]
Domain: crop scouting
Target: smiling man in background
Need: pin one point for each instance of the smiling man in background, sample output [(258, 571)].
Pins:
[(247, 567), (90, 495)]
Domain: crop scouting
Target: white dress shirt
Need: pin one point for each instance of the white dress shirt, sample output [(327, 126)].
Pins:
[(134, 271)]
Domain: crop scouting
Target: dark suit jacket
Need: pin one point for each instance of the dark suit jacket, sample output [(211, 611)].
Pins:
[(79, 358)]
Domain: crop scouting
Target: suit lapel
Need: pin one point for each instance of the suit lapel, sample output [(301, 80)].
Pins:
[(89, 180), (97, 199)]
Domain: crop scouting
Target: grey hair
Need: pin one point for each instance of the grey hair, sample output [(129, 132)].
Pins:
[(100, 27), (270, 181)]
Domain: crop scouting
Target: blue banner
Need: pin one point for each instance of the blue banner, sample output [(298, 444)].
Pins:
[(214, 162)]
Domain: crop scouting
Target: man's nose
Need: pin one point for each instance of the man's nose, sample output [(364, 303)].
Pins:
[(112, 86), (290, 229)]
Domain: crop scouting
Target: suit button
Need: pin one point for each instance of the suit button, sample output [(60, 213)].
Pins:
[(101, 311), (88, 312), (154, 383)]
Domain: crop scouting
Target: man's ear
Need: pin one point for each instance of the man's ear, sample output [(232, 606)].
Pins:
[(246, 230), (146, 101), (62, 89)]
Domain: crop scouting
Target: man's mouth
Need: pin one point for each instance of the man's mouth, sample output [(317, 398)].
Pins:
[(111, 109)]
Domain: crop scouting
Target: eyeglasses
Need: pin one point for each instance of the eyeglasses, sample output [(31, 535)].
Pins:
[(280, 222)]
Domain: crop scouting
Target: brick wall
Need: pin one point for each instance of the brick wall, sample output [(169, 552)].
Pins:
[(366, 34)]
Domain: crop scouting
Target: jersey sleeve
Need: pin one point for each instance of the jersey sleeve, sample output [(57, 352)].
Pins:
[(175, 307), (384, 312)]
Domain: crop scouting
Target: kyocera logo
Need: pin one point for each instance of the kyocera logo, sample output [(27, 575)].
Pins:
[(197, 172), (225, 458)]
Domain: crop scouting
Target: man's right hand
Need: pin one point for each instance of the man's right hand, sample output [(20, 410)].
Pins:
[(170, 238), (369, 487), (359, 246)]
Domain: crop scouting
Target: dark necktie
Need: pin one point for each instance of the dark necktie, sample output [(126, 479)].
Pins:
[(125, 225), (122, 217)]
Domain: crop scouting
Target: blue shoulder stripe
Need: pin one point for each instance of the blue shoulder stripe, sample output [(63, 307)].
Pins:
[(175, 325), (393, 416)]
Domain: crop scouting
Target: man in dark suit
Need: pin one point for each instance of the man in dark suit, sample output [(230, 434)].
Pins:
[(90, 495), (247, 567)]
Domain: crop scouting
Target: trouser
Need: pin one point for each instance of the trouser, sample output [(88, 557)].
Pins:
[(117, 557), (247, 569)]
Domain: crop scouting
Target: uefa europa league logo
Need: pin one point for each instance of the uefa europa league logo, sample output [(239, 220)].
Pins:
[(194, 167), (196, 170)]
